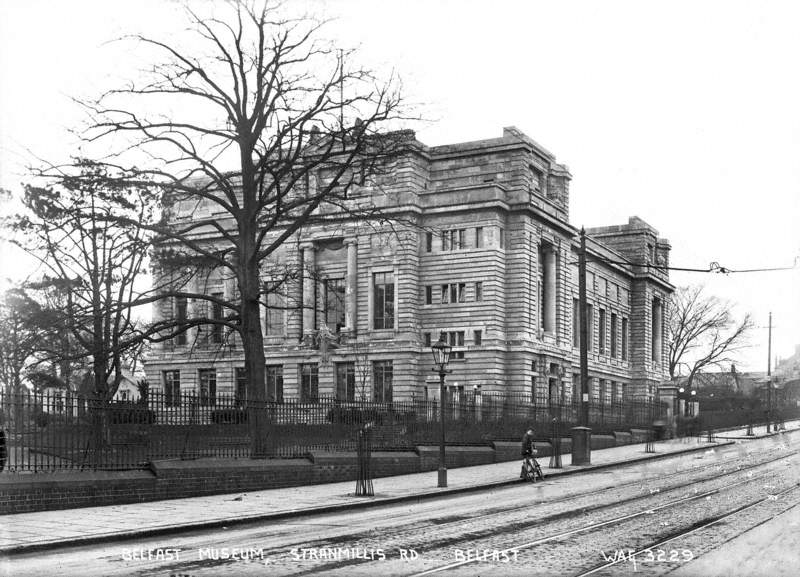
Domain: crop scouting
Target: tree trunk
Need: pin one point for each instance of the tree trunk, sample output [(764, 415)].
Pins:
[(252, 336)]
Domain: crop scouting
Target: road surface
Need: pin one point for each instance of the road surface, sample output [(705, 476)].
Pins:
[(687, 514)]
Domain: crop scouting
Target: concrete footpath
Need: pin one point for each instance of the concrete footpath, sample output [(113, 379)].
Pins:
[(25, 532)]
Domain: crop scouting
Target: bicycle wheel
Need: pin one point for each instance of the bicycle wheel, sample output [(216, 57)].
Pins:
[(538, 470), (530, 473)]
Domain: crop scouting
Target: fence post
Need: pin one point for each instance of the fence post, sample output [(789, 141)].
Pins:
[(650, 445), (364, 480), (710, 431), (555, 442)]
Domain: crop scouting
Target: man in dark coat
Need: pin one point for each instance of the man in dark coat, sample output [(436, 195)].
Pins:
[(527, 449)]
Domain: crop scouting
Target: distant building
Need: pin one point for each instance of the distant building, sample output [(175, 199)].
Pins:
[(789, 368), (484, 255)]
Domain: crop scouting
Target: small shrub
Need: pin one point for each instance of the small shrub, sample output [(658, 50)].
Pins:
[(229, 416), (130, 414), (42, 419)]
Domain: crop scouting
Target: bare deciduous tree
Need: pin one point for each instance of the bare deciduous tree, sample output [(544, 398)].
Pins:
[(703, 332), (258, 129)]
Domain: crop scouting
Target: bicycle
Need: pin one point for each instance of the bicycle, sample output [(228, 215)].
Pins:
[(531, 471)]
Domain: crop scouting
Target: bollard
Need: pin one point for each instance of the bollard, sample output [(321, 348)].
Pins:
[(555, 441), (364, 480)]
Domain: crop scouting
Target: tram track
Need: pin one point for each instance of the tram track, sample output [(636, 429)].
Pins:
[(695, 528), (458, 521), (621, 519)]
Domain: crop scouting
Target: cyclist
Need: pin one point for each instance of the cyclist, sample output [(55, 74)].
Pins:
[(527, 449)]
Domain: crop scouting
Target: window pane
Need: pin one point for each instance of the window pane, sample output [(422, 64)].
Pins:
[(275, 383), (180, 317), (275, 306), (334, 304), (208, 387), (382, 381), (240, 392), (309, 383)]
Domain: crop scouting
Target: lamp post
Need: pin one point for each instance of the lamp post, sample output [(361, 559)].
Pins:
[(441, 356)]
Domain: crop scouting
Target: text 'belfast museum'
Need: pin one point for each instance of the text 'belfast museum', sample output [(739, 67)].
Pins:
[(481, 253)]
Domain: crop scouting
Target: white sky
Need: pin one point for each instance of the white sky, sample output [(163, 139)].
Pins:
[(683, 113)]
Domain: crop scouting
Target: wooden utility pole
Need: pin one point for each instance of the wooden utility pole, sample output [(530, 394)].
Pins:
[(769, 374), (584, 328), (582, 435)]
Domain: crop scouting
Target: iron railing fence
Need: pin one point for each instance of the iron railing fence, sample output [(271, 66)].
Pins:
[(51, 431), (731, 418)]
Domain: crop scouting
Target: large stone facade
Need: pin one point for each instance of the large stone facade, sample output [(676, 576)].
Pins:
[(482, 251)]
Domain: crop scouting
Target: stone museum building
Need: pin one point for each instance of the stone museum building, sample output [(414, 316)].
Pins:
[(481, 252)]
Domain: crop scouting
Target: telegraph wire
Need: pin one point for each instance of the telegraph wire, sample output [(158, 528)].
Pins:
[(713, 267)]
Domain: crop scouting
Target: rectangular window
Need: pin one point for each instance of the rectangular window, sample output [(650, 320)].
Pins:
[(346, 381), (275, 383), (457, 291), (428, 241), (383, 300), (309, 383), (208, 387), (456, 339), (426, 338), (614, 392), (479, 291), (172, 388), (274, 312), (613, 336), (603, 288), (217, 330), (624, 348), (428, 295), (576, 388), (576, 323), (453, 293), (334, 304), (590, 327), (455, 239), (240, 393), (445, 294), (501, 238), (382, 381), (477, 337), (479, 237), (603, 399), (180, 319), (601, 331)]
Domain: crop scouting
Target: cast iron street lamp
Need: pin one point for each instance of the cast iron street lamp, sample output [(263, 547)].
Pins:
[(441, 356)]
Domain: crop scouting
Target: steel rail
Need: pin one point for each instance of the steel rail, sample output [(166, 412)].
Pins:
[(607, 522), (716, 519)]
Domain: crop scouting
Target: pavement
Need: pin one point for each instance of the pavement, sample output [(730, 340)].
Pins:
[(24, 532)]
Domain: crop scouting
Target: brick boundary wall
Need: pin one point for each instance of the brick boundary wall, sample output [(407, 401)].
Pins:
[(175, 479)]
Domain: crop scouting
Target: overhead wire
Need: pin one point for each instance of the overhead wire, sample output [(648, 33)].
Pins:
[(713, 267)]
